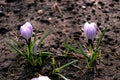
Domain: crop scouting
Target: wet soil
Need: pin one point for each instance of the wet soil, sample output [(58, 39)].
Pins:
[(66, 19)]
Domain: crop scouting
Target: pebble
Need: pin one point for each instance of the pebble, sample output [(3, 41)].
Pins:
[(84, 7), (50, 19), (40, 12)]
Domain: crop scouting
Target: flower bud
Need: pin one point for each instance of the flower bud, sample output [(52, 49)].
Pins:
[(26, 31), (35, 49), (90, 30)]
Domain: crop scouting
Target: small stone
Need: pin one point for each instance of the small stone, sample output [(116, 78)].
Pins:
[(106, 10), (99, 7), (40, 12), (50, 19), (84, 7)]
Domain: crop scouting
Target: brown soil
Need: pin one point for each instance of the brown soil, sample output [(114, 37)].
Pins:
[(66, 21)]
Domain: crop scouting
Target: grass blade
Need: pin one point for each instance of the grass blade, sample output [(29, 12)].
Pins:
[(65, 65), (46, 53), (82, 51), (62, 76), (98, 44), (14, 48), (15, 41)]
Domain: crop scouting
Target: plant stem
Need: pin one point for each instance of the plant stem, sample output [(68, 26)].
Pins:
[(30, 52), (53, 63), (62, 76)]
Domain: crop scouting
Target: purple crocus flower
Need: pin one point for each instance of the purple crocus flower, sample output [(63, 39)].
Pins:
[(90, 30), (26, 31)]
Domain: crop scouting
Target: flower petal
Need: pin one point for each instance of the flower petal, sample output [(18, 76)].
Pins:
[(90, 30), (26, 31)]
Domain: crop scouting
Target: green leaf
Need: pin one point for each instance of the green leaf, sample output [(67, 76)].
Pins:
[(82, 51), (98, 44), (35, 39), (46, 53), (15, 41), (14, 48), (93, 58), (65, 65)]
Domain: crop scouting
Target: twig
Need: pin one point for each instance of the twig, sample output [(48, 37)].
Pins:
[(57, 8)]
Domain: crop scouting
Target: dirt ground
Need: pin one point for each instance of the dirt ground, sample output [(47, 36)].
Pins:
[(66, 22)]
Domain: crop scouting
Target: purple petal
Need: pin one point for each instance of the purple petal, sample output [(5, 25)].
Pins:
[(26, 31), (90, 30)]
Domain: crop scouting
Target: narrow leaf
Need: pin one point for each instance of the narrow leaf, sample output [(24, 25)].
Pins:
[(98, 44), (65, 65), (14, 48), (43, 37), (82, 51)]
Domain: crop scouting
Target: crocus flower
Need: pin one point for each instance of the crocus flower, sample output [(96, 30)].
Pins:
[(90, 30), (35, 49), (41, 78), (26, 31)]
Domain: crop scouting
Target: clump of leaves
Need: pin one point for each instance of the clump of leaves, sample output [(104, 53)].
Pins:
[(93, 53), (30, 52), (56, 70)]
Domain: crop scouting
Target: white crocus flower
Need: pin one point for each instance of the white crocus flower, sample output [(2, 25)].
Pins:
[(41, 78)]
